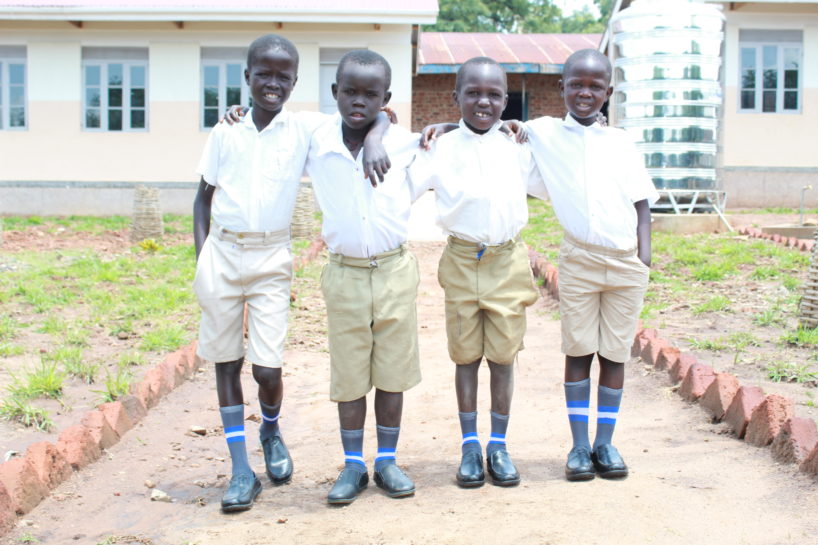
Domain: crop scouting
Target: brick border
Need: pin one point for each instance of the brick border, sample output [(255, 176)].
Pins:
[(802, 244), (764, 421), (26, 480)]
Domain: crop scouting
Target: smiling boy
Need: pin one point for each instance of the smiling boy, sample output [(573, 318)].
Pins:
[(480, 178), (370, 282), (601, 194)]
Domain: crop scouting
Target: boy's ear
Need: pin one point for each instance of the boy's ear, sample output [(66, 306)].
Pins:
[(455, 98), (609, 92), (505, 101), (387, 96), (247, 76), (335, 91), (561, 85)]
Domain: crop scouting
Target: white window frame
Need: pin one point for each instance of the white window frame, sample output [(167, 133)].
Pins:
[(221, 65), (759, 77), (103, 107), (5, 93)]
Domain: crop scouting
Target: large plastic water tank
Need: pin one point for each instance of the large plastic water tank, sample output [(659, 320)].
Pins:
[(667, 66)]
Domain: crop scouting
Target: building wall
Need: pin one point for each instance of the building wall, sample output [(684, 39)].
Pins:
[(432, 97), (55, 148)]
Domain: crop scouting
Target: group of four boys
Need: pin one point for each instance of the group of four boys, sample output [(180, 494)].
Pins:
[(250, 175)]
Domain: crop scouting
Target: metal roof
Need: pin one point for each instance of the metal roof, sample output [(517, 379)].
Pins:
[(444, 52)]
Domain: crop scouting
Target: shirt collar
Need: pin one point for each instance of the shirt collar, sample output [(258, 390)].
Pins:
[(572, 123), (281, 118), (467, 130)]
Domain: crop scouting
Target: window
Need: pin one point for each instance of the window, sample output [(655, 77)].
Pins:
[(223, 82), (12, 87), (770, 64), (115, 89)]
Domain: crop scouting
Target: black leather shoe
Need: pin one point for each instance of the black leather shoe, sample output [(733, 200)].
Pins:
[(470, 474), (394, 481), (347, 486), (502, 470), (579, 466), (608, 462), (241, 493), (277, 460)]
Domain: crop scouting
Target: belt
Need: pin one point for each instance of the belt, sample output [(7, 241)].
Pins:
[(368, 262), (479, 248), (598, 248), (250, 237)]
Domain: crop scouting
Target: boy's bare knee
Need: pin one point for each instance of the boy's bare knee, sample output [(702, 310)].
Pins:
[(267, 377)]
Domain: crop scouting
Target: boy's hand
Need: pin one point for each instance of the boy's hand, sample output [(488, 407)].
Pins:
[(234, 114), (390, 113), (432, 132), (603, 122), (513, 127), (375, 161)]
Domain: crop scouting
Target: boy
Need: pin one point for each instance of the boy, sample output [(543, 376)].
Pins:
[(480, 178), (601, 194), (250, 175), (370, 282)]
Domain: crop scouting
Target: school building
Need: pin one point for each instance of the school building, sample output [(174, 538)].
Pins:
[(99, 96)]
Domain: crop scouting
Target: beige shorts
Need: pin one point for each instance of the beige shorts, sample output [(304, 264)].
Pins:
[(372, 323), (601, 294), (235, 268), (486, 299)]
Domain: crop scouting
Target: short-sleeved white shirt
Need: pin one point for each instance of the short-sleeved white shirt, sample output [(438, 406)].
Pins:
[(359, 220), (594, 175), (480, 183), (256, 173)]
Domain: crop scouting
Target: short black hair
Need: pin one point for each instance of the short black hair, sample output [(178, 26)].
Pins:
[(364, 57), (274, 42), (476, 61), (587, 55)]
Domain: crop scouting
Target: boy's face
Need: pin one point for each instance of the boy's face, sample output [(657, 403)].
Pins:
[(585, 87), (360, 93), (482, 95), (271, 77)]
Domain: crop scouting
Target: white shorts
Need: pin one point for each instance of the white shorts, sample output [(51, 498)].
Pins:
[(238, 268)]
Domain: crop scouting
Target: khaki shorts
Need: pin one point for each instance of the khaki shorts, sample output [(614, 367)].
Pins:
[(234, 268), (601, 294), (486, 299), (372, 322)]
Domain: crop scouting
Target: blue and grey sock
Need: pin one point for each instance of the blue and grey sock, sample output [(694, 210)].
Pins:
[(607, 410), (497, 441), (233, 422), (353, 442), (269, 420), (468, 427), (387, 445), (578, 400)]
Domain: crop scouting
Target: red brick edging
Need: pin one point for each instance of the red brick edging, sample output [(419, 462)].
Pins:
[(758, 419), (26, 480), (805, 245)]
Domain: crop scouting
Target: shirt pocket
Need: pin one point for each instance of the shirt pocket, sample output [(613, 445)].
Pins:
[(282, 164)]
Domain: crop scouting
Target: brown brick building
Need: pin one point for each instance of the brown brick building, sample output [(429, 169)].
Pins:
[(533, 62)]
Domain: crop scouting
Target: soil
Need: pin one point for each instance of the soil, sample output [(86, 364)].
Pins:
[(691, 481)]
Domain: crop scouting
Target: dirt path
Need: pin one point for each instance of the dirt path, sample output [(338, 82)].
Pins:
[(690, 482)]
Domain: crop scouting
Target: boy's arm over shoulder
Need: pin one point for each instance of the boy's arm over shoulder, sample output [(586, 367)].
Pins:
[(422, 172), (535, 185), (311, 120)]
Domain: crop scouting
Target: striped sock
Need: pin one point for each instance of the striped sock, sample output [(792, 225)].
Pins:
[(607, 410), (387, 445), (233, 423), (497, 441), (577, 400), (468, 427), (353, 441), (269, 420)]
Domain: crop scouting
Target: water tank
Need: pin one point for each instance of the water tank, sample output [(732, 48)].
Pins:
[(666, 56)]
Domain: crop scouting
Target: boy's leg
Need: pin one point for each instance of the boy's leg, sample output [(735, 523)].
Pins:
[(470, 473), (277, 460), (501, 468), (577, 400), (388, 476), (605, 456), (244, 485), (354, 477)]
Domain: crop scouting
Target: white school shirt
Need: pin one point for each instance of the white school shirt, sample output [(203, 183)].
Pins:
[(256, 173), (359, 220), (480, 183), (593, 175)]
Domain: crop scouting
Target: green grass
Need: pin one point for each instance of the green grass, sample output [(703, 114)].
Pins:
[(768, 318), (21, 411), (543, 232), (714, 304), (70, 359), (713, 345), (801, 337), (45, 380), (116, 385), (764, 273), (164, 337), (781, 371)]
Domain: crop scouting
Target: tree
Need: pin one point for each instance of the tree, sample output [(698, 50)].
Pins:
[(605, 8), (497, 16), (581, 22)]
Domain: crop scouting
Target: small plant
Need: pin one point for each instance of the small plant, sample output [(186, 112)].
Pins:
[(116, 386), (769, 317), (739, 341), (20, 411), (782, 371), (27, 538), (791, 283), (714, 304), (131, 358), (711, 272), (165, 337), (8, 328), (714, 345), (8, 349), (765, 272), (801, 337), (70, 358), (44, 381), (150, 245)]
